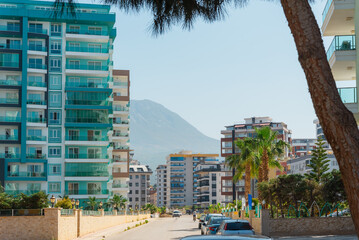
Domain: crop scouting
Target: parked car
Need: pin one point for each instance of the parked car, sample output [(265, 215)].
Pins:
[(176, 213), (235, 227), (201, 220), (213, 224), (208, 216), (221, 237)]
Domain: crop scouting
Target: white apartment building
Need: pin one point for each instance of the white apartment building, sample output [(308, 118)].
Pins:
[(139, 185), (300, 165), (162, 186)]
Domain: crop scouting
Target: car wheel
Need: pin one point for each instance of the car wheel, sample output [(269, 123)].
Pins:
[(199, 226), (202, 233)]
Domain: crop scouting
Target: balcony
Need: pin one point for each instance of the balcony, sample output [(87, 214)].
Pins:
[(85, 83), (36, 156), (37, 30), (36, 84), (350, 100), (9, 101), (85, 138), (36, 120), (86, 67), (36, 138), (86, 49), (86, 156), (89, 102), (81, 120), (9, 119), (10, 46), (120, 109), (86, 174), (27, 174), (37, 48), (338, 17), (10, 83), (10, 28), (119, 97), (120, 123), (14, 64), (118, 187), (37, 66), (26, 192), (39, 102), (342, 58), (119, 160), (87, 192), (87, 32), (9, 137)]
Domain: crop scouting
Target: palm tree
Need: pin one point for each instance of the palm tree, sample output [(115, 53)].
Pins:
[(269, 148), (92, 203), (245, 163), (338, 123), (119, 201)]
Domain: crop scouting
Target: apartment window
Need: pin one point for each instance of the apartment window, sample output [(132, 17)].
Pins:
[(55, 47), (73, 188), (35, 45), (74, 152), (54, 117), (130, 192), (94, 188), (95, 30), (9, 60), (35, 28), (136, 184), (136, 199), (55, 65), (130, 199), (34, 132), (55, 99), (56, 29), (54, 135), (54, 187), (34, 187), (95, 48), (36, 63), (74, 64), (137, 176), (92, 65), (55, 82), (54, 152), (130, 184), (13, 26), (74, 29), (54, 169), (130, 176), (74, 46), (136, 191), (94, 152)]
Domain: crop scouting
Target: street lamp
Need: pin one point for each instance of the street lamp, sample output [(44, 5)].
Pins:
[(52, 200), (100, 205), (77, 203), (73, 203)]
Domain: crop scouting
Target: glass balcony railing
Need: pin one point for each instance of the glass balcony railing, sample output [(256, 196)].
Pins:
[(37, 66), (14, 28), (89, 102), (87, 67), (120, 84), (37, 48), (86, 49), (10, 46), (9, 119), (348, 95), (9, 155), (87, 32), (88, 120), (9, 137), (37, 30), (35, 156), (36, 84), (9, 64), (9, 100), (87, 192), (87, 84), (36, 120), (119, 121), (36, 101), (119, 186), (120, 108), (36, 138), (341, 43), (326, 9), (27, 192), (121, 147), (85, 138), (119, 160), (26, 174), (86, 156), (86, 174), (10, 82), (118, 134)]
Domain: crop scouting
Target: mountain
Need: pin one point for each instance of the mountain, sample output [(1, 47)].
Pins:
[(157, 132)]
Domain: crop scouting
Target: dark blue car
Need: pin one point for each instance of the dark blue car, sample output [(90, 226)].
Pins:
[(213, 224)]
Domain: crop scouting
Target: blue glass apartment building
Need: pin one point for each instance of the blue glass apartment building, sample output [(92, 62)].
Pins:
[(57, 101)]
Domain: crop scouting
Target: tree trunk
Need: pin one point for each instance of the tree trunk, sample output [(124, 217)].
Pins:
[(338, 123), (265, 165), (247, 179)]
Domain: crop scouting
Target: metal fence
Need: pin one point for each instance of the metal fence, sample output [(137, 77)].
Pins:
[(21, 212), (91, 213), (67, 212), (109, 213)]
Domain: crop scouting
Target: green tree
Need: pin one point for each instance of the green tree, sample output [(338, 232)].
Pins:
[(245, 163), (339, 124), (92, 203), (64, 203), (319, 163), (119, 201), (150, 207), (34, 201), (333, 188)]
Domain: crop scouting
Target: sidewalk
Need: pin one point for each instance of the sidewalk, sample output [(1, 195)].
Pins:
[(330, 237), (103, 234)]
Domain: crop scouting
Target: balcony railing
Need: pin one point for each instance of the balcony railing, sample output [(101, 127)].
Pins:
[(86, 192), (36, 102), (9, 119), (348, 95), (87, 32), (10, 82), (9, 100), (119, 160), (36, 138), (120, 84), (35, 156), (37, 48), (37, 66), (119, 186), (120, 108), (121, 147), (26, 174), (10, 28), (117, 134), (87, 67), (36, 120), (86, 156), (85, 138), (36, 84), (9, 137), (87, 84), (88, 120), (86, 174), (119, 121), (9, 155), (37, 30), (9, 64), (27, 192), (10, 46), (326, 9), (341, 43), (89, 102), (86, 49)]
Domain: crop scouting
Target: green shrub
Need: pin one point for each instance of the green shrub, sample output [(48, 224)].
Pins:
[(64, 203), (146, 221)]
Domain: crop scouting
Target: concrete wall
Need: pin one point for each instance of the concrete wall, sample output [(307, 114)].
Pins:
[(54, 226)]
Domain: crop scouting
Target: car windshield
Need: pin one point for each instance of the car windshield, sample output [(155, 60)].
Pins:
[(238, 226), (209, 216), (216, 220)]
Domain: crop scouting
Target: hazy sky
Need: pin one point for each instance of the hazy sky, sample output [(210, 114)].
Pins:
[(219, 73)]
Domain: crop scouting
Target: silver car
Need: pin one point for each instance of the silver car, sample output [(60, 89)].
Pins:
[(235, 227), (206, 219)]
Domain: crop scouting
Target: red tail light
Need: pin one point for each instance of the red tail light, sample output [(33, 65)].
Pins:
[(212, 228), (225, 227), (250, 226)]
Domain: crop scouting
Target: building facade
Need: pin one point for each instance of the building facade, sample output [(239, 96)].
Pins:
[(303, 146), (162, 185), (153, 196), (180, 176), (139, 185), (341, 21), (56, 80), (300, 165), (240, 131)]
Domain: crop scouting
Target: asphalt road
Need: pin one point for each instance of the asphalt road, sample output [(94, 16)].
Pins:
[(161, 229)]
